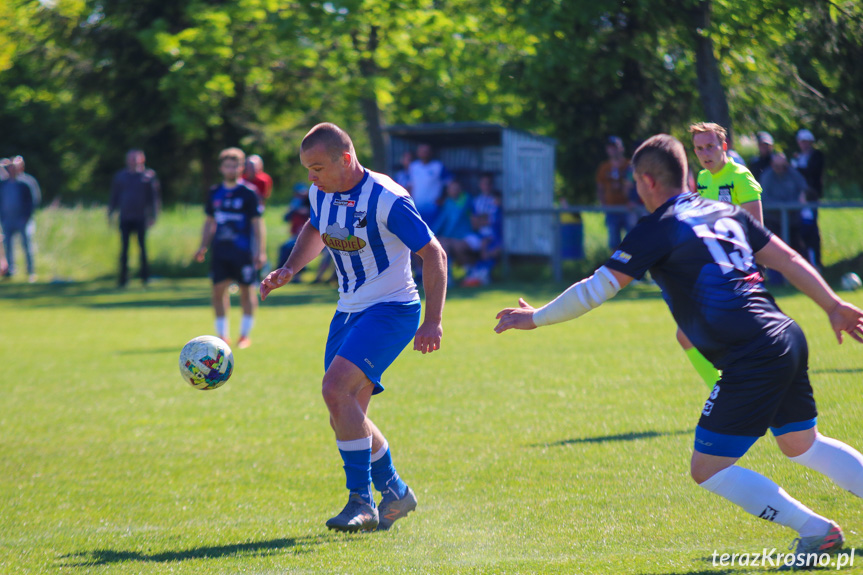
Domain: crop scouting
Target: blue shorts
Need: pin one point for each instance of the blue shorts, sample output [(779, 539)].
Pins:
[(769, 389), (372, 339)]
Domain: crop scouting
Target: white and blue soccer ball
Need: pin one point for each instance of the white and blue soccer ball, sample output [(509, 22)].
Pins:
[(206, 362), (850, 282)]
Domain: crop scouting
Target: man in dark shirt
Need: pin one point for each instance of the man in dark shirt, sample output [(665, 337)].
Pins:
[(703, 255), (135, 194)]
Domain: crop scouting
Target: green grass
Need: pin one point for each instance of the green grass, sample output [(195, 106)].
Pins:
[(563, 450)]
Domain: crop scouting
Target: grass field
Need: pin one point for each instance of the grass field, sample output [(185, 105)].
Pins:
[(563, 450)]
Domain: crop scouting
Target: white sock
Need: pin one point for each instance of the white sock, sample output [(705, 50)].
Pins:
[(762, 498), (838, 461), (246, 325), (380, 452), (222, 326)]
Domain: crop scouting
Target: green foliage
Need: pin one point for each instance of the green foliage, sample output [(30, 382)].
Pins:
[(84, 80)]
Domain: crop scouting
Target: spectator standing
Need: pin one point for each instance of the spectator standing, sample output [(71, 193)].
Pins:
[(255, 174), (135, 193), (611, 190), (19, 197), (402, 175), (427, 179), (235, 235), (758, 164), (810, 163), (781, 183)]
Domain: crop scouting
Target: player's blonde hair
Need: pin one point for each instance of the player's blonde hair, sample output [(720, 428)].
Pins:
[(233, 154), (707, 127)]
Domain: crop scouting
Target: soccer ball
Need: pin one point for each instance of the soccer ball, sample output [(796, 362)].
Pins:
[(850, 282), (206, 362)]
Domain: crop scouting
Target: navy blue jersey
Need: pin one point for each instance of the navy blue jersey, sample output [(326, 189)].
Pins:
[(701, 253), (233, 210)]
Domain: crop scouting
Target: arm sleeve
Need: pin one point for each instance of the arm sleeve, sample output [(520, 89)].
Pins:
[(405, 222), (315, 205)]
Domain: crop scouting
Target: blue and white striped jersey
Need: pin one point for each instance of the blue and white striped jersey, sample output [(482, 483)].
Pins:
[(370, 231)]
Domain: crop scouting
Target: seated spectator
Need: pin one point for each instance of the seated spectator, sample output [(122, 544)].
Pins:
[(487, 239), (453, 225)]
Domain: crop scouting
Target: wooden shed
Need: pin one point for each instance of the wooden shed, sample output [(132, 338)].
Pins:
[(522, 165)]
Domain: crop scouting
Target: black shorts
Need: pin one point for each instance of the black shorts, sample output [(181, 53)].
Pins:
[(769, 389), (238, 267)]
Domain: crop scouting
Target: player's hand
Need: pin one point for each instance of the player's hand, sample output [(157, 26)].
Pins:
[(428, 337), (260, 261), (274, 280), (520, 317), (848, 318), (200, 254)]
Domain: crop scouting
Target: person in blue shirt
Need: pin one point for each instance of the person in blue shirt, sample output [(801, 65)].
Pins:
[(370, 226), (235, 235), (703, 255)]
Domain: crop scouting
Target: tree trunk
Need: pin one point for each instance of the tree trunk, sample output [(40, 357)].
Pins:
[(709, 78), (369, 103)]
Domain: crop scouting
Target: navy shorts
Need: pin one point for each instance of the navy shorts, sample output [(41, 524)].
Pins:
[(372, 339), (238, 267), (768, 389)]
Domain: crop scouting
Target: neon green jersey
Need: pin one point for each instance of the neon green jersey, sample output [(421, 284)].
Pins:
[(733, 184)]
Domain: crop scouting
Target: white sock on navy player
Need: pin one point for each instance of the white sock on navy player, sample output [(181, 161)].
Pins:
[(838, 461), (384, 474), (763, 498), (222, 327), (357, 456), (246, 325)]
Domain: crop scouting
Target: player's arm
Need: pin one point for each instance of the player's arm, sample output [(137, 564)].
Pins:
[(207, 234), (430, 332), (794, 267), (576, 301), (755, 210), (308, 247), (259, 229)]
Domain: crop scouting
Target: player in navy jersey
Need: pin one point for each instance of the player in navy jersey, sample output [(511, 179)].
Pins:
[(370, 226), (235, 235), (703, 254)]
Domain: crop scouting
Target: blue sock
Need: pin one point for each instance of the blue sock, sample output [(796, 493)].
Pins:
[(357, 456), (384, 474)]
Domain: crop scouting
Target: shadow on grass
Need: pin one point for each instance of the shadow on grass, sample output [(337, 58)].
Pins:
[(847, 370), (619, 437), (110, 556)]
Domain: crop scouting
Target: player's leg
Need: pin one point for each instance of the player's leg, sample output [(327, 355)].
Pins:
[(9, 249), (141, 231), (755, 493), (838, 461), (342, 384), (125, 232), (249, 303), (705, 369), (221, 306)]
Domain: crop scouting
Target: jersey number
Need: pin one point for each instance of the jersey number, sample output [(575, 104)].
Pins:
[(729, 231)]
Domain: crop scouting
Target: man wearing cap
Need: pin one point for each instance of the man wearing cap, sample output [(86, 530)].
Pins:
[(810, 163), (611, 178), (758, 164)]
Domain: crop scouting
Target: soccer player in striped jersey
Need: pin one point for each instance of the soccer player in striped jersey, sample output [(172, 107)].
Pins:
[(703, 255), (370, 226)]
